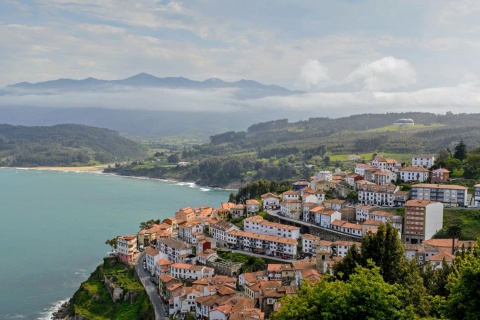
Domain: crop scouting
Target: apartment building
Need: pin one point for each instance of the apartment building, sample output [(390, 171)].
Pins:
[(173, 250), (448, 194), (259, 225), (249, 241), (127, 248), (377, 195), (423, 218)]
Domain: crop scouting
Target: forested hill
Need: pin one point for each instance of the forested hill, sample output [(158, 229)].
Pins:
[(64, 145)]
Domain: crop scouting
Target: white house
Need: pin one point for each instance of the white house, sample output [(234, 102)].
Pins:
[(377, 195), (187, 229), (362, 212), (173, 250), (414, 173), (328, 216), (188, 271), (311, 195), (290, 195), (347, 227), (381, 216), (423, 160), (259, 225), (270, 201), (151, 258), (384, 177), (307, 243), (219, 230), (291, 209), (253, 207)]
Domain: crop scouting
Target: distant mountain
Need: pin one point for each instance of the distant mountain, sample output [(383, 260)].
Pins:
[(247, 89), (64, 145)]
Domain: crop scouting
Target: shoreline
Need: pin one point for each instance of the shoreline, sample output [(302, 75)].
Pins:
[(82, 168)]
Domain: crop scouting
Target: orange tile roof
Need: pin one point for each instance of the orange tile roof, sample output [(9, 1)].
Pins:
[(439, 186), (442, 255)]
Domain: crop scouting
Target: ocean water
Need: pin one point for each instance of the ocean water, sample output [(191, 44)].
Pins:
[(53, 227)]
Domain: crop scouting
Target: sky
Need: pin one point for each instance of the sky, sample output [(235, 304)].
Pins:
[(349, 56)]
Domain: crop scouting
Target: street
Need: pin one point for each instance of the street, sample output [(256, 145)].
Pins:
[(150, 288)]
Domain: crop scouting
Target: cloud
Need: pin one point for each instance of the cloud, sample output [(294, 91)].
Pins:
[(384, 74), (313, 75)]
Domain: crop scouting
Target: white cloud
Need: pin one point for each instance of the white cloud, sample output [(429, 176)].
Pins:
[(384, 74), (313, 75)]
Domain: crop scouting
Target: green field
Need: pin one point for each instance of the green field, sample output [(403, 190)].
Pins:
[(406, 128), (469, 220), (403, 157)]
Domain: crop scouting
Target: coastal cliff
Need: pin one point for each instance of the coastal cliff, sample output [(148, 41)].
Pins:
[(111, 292)]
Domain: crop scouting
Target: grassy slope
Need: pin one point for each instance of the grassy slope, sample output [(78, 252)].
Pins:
[(93, 300)]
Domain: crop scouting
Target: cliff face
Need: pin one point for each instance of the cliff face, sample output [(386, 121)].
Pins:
[(111, 292)]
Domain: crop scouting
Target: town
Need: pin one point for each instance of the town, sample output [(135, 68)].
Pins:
[(301, 234)]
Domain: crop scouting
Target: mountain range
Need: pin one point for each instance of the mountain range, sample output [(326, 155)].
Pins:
[(247, 89)]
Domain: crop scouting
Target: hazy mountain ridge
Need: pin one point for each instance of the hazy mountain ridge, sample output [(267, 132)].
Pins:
[(247, 88)]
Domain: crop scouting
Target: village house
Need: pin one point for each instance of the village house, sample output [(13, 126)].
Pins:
[(299, 185), (204, 256), (347, 227), (309, 275), (307, 243), (413, 173), (420, 252), (183, 300), (147, 236), (341, 247), (423, 219), (323, 246), (204, 304), (381, 216), (270, 201), (384, 163), (166, 281), (352, 178), (161, 266), (281, 272), (221, 214), (186, 214), (269, 296), (448, 194), (362, 212), (400, 197), (249, 241), (423, 160), (370, 226), (187, 229), (250, 278), (312, 196), (290, 195), (259, 225), (174, 250), (384, 177), (348, 213), (438, 259), (188, 271), (253, 207), (361, 167), (335, 204), (376, 195), (151, 258), (238, 211), (476, 195), (235, 308), (326, 217), (220, 229), (445, 245), (291, 209), (440, 175), (127, 248)]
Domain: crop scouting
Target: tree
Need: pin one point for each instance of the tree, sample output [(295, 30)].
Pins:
[(365, 295), (463, 301), (472, 164), (454, 231), (460, 151), (112, 242), (173, 158)]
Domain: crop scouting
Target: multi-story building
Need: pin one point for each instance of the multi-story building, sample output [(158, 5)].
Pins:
[(476, 195), (259, 225), (290, 195), (238, 211), (341, 247), (253, 207), (313, 196), (362, 212), (447, 194), (307, 243), (220, 229), (384, 177), (151, 257), (186, 213), (291, 209), (423, 218), (347, 227), (188, 271), (381, 216), (173, 250), (249, 241), (187, 229), (384, 163), (414, 173), (423, 160), (326, 217), (127, 248), (376, 195), (270, 201), (440, 175)]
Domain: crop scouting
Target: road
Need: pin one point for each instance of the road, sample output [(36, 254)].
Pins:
[(150, 287), (308, 224)]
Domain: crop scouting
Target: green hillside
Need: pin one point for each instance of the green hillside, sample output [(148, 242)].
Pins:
[(64, 145)]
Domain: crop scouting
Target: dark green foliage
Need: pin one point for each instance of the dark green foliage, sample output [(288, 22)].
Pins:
[(460, 151), (256, 189), (63, 145)]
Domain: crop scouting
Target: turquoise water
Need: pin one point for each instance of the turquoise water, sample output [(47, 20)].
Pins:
[(53, 226)]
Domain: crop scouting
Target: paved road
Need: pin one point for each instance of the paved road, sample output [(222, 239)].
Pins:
[(150, 287), (308, 224)]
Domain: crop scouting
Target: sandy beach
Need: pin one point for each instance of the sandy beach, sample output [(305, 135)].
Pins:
[(85, 168)]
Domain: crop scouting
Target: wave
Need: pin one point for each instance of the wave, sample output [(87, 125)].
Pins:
[(47, 313), (205, 189)]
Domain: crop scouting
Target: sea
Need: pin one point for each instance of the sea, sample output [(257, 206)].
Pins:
[(53, 227)]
